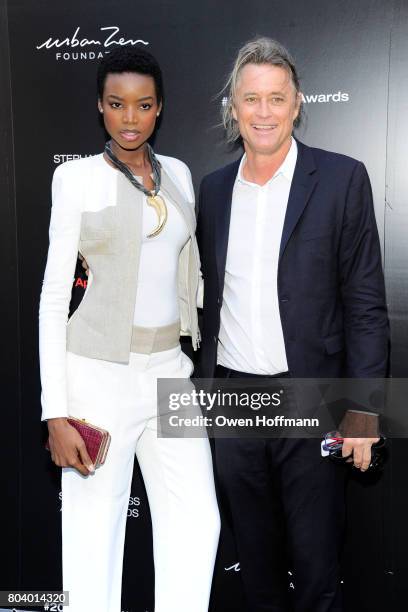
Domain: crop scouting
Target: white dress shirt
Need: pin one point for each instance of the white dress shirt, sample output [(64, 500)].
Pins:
[(251, 336)]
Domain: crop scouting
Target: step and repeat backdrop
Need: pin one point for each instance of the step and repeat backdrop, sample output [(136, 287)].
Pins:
[(352, 62)]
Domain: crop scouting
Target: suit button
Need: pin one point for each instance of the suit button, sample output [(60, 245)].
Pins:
[(215, 338), (284, 299), (218, 301)]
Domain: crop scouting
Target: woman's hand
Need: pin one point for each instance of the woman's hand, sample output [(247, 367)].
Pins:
[(84, 263), (67, 446)]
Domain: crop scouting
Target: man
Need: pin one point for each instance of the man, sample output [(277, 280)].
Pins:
[(293, 287)]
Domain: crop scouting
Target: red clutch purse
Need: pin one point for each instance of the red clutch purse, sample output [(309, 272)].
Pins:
[(96, 440)]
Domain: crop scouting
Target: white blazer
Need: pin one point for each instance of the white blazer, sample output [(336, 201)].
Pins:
[(95, 211)]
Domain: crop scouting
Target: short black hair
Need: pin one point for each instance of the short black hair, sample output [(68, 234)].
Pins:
[(130, 59)]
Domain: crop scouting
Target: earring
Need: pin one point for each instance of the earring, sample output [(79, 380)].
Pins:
[(157, 114)]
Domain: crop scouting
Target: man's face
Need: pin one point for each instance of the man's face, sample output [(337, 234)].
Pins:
[(265, 106)]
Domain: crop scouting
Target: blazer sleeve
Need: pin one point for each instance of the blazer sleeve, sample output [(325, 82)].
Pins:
[(64, 233), (362, 283), (199, 213)]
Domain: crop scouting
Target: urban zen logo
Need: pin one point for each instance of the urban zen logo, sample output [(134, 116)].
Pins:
[(111, 37)]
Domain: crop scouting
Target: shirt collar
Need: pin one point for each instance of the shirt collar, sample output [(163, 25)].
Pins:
[(287, 168)]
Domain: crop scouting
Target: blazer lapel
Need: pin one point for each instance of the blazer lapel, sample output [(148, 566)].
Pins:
[(169, 187), (222, 216), (303, 183)]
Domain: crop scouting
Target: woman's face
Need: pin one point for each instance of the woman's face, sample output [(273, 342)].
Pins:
[(130, 108)]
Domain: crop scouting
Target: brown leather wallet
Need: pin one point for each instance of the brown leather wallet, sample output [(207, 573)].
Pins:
[(96, 440)]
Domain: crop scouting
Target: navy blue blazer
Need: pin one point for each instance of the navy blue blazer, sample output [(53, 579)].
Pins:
[(330, 280)]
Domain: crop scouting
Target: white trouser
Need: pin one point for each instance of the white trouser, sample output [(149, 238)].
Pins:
[(178, 476)]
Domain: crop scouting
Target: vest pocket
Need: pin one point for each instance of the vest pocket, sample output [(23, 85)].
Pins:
[(101, 244), (98, 227)]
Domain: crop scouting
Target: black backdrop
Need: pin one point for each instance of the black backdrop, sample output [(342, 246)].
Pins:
[(352, 60)]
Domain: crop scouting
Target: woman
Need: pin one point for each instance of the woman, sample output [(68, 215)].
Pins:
[(104, 363)]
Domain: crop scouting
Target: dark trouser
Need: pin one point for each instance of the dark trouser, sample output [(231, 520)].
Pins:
[(286, 503)]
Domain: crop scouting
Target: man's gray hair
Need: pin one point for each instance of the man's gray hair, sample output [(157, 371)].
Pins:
[(261, 50)]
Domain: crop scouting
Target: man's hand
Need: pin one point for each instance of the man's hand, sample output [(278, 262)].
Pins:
[(360, 432), (360, 448), (84, 263), (67, 447)]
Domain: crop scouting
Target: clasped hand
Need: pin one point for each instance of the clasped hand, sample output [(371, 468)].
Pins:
[(360, 432), (67, 447)]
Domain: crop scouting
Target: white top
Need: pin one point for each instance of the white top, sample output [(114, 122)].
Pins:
[(157, 296), (251, 336)]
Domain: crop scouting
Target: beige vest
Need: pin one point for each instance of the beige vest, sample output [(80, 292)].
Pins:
[(110, 241)]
